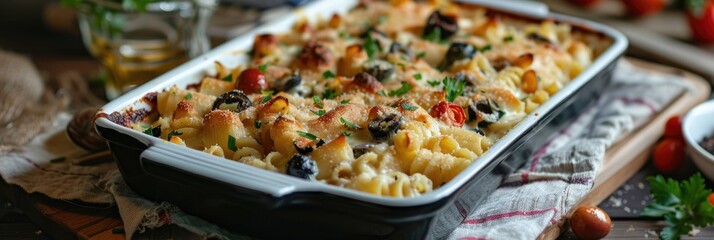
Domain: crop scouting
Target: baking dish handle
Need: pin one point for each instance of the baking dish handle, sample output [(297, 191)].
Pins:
[(522, 7), (235, 175)]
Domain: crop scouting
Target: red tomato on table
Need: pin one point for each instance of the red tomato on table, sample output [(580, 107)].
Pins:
[(673, 128), (668, 156), (639, 8), (700, 15)]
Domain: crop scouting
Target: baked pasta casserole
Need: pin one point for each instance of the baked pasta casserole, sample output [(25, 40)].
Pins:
[(393, 98)]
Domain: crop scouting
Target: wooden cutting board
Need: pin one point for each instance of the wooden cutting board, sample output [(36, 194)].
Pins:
[(625, 158)]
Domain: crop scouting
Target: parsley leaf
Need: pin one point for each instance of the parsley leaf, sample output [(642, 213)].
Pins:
[(266, 95), (682, 204), (316, 100), (404, 89), (345, 101), (228, 78), (417, 76), (232, 143), (330, 94), (434, 36), (307, 135), (421, 55), (188, 96), (508, 39), (409, 107), (172, 134), (156, 132), (486, 48), (381, 92), (433, 83), (258, 124), (262, 67), (371, 46), (319, 112), (453, 87), (346, 133), (328, 74), (349, 124)]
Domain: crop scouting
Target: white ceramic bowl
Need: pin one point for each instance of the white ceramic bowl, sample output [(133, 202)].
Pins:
[(697, 124)]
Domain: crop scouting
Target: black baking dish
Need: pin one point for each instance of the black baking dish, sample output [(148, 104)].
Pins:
[(264, 204)]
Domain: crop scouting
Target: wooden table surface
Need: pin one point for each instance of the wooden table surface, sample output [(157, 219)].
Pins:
[(35, 216)]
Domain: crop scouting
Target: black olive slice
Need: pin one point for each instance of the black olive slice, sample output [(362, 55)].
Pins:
[(457, 51), (398, 48), (360, 149), (302, 166), (485, 112), (380, 69), (446, 25), (291, 81), (234, 100), (383, 128)]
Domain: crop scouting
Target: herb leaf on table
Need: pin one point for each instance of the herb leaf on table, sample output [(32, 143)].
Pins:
[(683, 205)]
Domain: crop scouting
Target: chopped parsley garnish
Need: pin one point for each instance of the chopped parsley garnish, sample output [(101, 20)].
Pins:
[(346, 133), (508, 39), (228, 78), (683, 205), (188, 96), (232, 143), (257, 124), (453, 88), (381, 92), (433, 83), (407, 106), (345, 101), (172, 134), (344, 35), (156, 132), (486, 48), (307, 135), (404, 89), (328, 74), (417, 76), (262, 67), (434, 36), (421, 55), (501, 113), (330, 94), (371, 46), (266, 95), (349, 124), (319, 112), (316, 100)]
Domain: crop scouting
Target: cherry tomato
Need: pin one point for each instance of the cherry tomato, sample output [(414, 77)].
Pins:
[(449, 113), (639, 8), (700, 15), (590, 222), (251, 80), (669, 155), (585, 3), (711, 199), (673, 128)]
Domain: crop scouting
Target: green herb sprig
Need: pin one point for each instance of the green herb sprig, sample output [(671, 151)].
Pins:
[(683, 205), (453, 87)]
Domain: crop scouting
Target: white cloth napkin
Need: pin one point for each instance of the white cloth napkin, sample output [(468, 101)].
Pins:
[(530, 200)]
